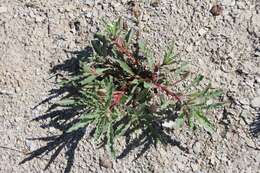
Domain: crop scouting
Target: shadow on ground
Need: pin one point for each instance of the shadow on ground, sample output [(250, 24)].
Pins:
[(63, 119), (255, 126)]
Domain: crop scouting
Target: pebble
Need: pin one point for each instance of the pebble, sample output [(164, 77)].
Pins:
[(106, 163), (244, 115), (116, 5), (257, 79), (256, 20), (202, 31), (258, 92), (250, 142), (124, 1), (244, 101), (194, 167), (4, 92), (196, 148), (30, 145), (189, 48), (155, 3), (216, 10), (257, 53), (68, 8), (255, 102), (228, 2), (3, 9), (39, 19)]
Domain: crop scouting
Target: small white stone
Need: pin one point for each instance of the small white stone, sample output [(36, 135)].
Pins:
[(3, 9), (244, 101), (169, 124), (257, 53), (257, 79), (39, 19), (256, 102), (228, 2), (203, 31), (189, 48), (30, 145), (258, 91), (196, 148), (256, 20), (124, 1), (194, 167), (117, 6)]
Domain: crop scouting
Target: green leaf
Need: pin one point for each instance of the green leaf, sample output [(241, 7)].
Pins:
[(124, 66), (198, 79), (180, 121), (164, 103), (204, 122), (98, 47), (66, 102), (123, 127), (169, 56), (213, 106), (143, 96), (191, 121), (150, 60), (129, 36), (110, 140), (88, 80), (89, 116), (200, 93), (148, 85), (214, 93), (135, 81), (101, 37), (85, 120), (77, 126), (195, 82), (99, 71), (100, 128), (183, 68), (110, 89)]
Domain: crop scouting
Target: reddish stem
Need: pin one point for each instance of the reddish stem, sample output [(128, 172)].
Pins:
[(122, 49), (117, 95), (167, 91)]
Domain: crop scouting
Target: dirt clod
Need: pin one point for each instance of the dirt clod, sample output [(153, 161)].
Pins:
[(216, 10)]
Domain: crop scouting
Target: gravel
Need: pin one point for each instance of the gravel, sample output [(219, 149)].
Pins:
[(223, 47), (255, 102)]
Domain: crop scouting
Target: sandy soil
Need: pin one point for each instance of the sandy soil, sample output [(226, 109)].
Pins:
[(34, 35)]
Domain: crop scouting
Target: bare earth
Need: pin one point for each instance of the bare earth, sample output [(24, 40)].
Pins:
[(225, 48)]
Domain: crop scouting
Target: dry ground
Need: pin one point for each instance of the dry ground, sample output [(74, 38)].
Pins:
[(225, 48)]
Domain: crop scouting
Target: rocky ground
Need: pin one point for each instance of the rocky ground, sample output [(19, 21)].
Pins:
[(34, 35)]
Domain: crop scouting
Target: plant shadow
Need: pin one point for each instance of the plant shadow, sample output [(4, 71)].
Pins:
[(63, 119), (60, 119), (255, 126)]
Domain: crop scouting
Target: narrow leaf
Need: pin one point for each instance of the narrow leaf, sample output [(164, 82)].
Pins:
[(204, 122), (180, 121), (66, 102), (87, 80), (124, 66), (110, 140), (129, 36), (77, 126)]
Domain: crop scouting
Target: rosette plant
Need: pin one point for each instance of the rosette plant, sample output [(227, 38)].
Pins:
[(122, 89)]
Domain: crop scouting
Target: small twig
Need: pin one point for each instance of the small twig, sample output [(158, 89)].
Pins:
[(8, 148)]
